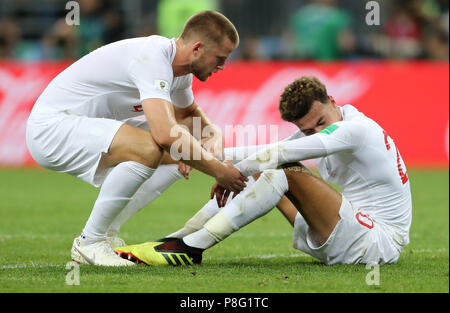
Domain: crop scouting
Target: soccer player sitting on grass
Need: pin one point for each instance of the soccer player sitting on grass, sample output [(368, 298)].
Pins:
[(82, 124), (368, 222)]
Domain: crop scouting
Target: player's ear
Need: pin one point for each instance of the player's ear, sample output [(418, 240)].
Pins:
[(197, 48), (332, 100)]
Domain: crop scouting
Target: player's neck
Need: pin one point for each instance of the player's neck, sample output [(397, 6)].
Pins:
[(181, 63)]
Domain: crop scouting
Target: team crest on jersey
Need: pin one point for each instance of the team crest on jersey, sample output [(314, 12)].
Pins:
[(328, 130), (161, 84)]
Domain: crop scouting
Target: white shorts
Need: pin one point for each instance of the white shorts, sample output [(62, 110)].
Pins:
[(73, 144), (355, 239)]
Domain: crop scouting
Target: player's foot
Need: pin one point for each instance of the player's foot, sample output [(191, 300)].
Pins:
[(115, 241), (171, 252), (99, 253), (124, 251)]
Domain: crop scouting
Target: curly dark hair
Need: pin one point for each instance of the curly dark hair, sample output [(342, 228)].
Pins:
[(298, 97)]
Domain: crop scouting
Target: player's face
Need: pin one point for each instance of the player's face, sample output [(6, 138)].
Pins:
[(211, 60), (319, 117)]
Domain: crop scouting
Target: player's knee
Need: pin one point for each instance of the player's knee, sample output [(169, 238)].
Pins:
[(293, 170), (297, 173), (149, 154), (144, 151), (276, 178), (133, 144)]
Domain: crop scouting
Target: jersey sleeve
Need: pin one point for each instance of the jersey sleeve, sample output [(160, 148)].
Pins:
[(237, 154), (277, 154), (342, 136), (183, 96), (151, 72)]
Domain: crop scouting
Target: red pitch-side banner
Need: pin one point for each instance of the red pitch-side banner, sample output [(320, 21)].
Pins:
[(410, 100)]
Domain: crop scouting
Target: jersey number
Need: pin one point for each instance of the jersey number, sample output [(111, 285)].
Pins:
[(402, 174)]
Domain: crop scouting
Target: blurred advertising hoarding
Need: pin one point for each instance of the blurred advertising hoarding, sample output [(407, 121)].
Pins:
[(410, 100)]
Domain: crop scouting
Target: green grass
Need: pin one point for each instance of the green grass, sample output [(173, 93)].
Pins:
[(41, 212)]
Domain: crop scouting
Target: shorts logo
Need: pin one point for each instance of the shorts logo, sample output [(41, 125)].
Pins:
[(161, 84), (364, 220)]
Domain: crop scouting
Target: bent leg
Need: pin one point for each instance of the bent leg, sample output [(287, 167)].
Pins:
[(163, 178), (132, 144), (210, 209), (288, 210), (315, 199), (254, 202), (134, 155)]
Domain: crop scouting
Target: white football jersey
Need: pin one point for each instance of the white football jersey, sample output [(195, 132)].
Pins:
[(359, 157), (111, 81), (367, 166)]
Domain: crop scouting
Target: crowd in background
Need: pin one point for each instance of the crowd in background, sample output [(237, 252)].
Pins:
[(269, 29)]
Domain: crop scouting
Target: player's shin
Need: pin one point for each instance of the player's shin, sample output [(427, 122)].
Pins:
[(196, 222), (163, 178), (117, 190), (254, 202)]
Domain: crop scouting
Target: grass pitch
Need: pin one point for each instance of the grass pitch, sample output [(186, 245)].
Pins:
[(41, 212)]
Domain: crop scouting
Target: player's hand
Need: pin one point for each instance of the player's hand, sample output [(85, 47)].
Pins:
[(221, 194), (231, 179), (184, 169)]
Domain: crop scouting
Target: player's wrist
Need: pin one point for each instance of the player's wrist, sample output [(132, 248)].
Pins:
[(220, 170), (244, 168)]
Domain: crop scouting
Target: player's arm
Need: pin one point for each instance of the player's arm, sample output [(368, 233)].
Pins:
[(272, 157), (202, 128), (151, 72), (337, 137), (281, 153), (169, 134)]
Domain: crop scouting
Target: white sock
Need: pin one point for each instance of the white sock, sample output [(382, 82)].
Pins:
[(202, 216), (119, 186), (163, 178), (254, 202), (198, 220)]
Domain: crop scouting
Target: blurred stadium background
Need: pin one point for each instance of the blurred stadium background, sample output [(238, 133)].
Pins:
[(395, 70), (285, 29)]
